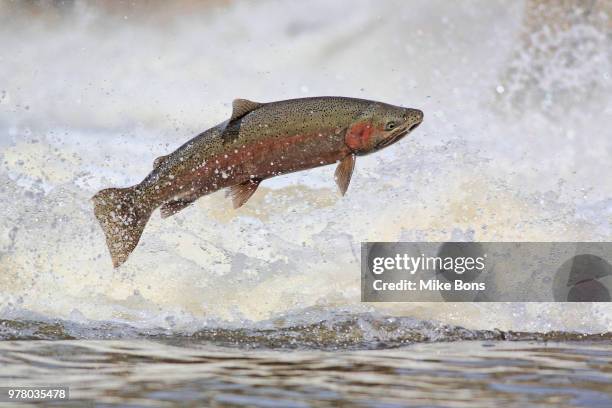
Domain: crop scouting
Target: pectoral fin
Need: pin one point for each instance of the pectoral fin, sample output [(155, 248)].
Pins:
[(344, 171), (241, 193)]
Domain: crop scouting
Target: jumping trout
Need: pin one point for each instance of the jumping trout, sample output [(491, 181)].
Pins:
[(259, 141)]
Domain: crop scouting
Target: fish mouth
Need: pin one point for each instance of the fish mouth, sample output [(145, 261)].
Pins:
[(394, 138)]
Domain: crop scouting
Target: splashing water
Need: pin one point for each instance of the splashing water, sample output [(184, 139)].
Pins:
[(504, 154)]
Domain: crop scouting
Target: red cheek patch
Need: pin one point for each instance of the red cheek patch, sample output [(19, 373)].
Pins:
[(358, 136)]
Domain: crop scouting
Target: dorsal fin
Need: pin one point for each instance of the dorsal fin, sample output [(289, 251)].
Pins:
[(159, 161), (241, 107)]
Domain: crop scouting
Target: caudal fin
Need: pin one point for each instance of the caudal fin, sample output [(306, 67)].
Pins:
[(123, 216)]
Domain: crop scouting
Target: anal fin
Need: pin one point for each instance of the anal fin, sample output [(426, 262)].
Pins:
[(241, 193), (173, 206), (344, 171)]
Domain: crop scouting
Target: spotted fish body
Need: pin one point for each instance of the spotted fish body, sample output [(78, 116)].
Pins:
[(259, 141)]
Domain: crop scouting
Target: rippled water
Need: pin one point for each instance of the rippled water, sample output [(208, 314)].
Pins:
[(194, 373), (350, 360)]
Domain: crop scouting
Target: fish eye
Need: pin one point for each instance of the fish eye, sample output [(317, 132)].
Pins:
[(390, 125)]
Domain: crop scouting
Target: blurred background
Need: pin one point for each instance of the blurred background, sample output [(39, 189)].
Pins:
[(515, 146)]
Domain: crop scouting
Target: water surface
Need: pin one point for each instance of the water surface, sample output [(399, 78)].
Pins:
[(195, 373)]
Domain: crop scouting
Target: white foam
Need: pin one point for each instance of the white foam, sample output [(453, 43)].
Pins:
[(93, 99)]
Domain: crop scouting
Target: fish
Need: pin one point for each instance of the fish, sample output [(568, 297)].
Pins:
[(257, 142)]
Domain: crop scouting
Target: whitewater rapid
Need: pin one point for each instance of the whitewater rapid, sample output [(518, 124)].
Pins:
[(89, 98)]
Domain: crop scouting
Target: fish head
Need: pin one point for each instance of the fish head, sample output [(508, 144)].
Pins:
[(381, 126)]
